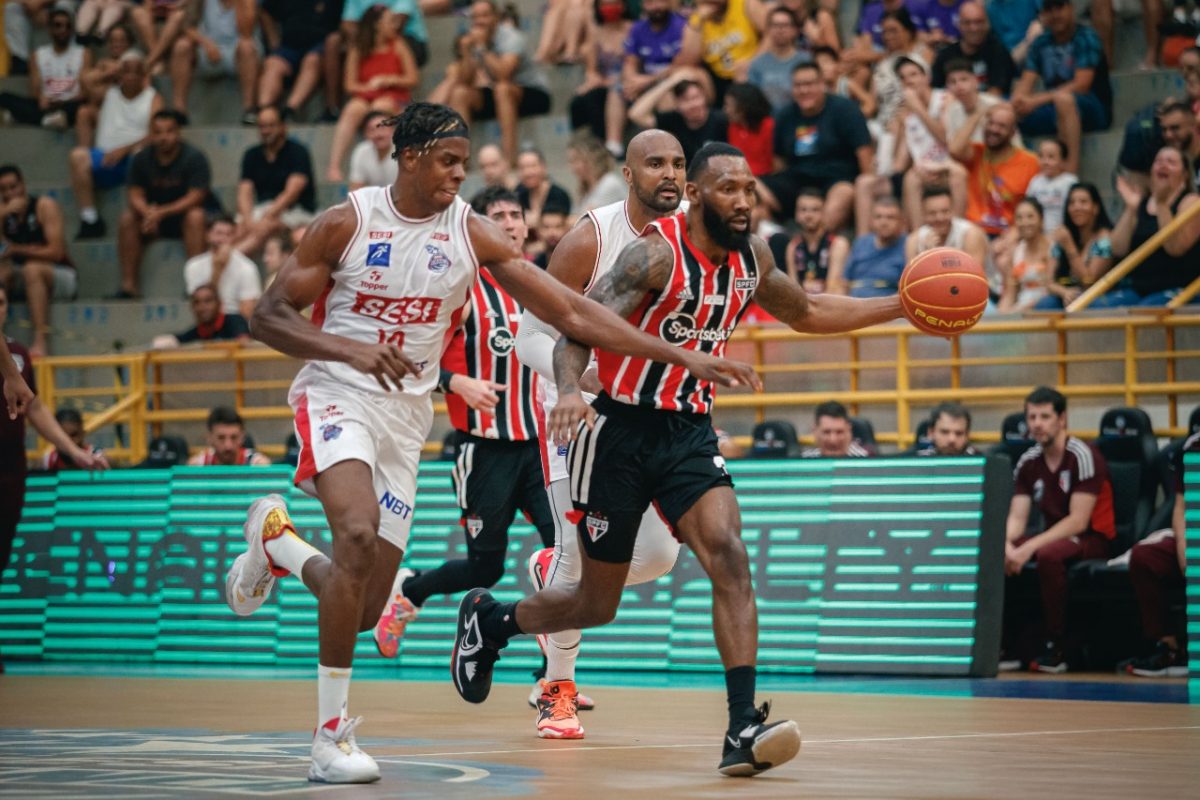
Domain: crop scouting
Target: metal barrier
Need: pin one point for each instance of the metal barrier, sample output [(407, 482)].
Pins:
[(145, 397)]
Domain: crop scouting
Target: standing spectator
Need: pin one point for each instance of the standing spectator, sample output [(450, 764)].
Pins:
[(1082, 250), (722, 36), (653, 43), (598, 104), (980, 47), (36, 252), (949, 432), (535, 190), (494, 78), (96, 18), (821, 141), (276, 191), (876, 258), (1070, 64), (371, 162), (102, 75), (212, 324), (599, 181), (941, 227), (122, 127), (771, 70), (815, 251), (1052, 182), (1027, 268), (227, 443), (303, 27), (998, 172), (235, 276), (1068, 479), (494, 167), (56, 92), (380, 75), (833, 434), (694, 122), (169, 182), (751, 127), (939, 21), (215, 47), (71, 423), (409, 19), (1170, 268)]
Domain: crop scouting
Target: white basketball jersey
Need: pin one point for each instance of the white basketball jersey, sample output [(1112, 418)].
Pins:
[(401, 281), (60, 71), (614, 232)]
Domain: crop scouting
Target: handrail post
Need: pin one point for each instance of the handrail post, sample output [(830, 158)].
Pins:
[(1062, 356), (137, 414), (854, 371), (902, 384), (956, 363), (1172, 398), (760, 360), (1130, 363)]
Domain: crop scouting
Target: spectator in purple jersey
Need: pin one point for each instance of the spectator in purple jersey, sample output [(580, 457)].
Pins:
[(937, 20), (867, 47), (652, 44)]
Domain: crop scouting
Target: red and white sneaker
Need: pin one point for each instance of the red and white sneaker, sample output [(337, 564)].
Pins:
[(395, 617), (539, 572), (584, 702), (558, 711), (252, 576)]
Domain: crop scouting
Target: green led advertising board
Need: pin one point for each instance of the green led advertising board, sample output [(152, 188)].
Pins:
[(860, 565)]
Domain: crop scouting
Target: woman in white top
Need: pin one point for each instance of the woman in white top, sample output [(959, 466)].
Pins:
[(1028, 268), (1082, 250), (599, 182)]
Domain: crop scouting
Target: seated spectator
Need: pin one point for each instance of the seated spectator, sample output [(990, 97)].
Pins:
[(371, 162), (212, 324), (941, 227), (409, 17), (276, 191), (1016, 24), (653, 43), (1068, 479), (598, 104), (494, 167), (599, 181), (876, 258), (1052, 182), (966, 99), (1172, 121), (535, 190), (1156, 568), (771, 70), (949, 432), (102, 75), (867, 47), (226, 443), (494, 78), (234, 275), (169, 182), (380, 75), (71, 423), (833, 434), (1082, 250), (145, 17), (96, 18), (751, 127), (1076, 96), (939, 21), (821, 141), (1027, 268), (815, 251), (1177, 121), (900, 40), (304, 26), (564, 32), (56, 92), (998, 172), (1170, 268), (722, 36), (694, 122), (838, 83), (36, 254), (20, 18), (981, 48), (215, 47), (552, 227), (122, 127), (275, 253), (817, 23)]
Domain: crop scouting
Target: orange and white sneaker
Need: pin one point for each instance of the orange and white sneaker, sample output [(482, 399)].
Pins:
[(252, 576), (558, 711), (584, 702), (395, 617)]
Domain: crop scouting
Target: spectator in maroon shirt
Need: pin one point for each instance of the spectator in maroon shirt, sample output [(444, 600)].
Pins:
[(1068, 479)]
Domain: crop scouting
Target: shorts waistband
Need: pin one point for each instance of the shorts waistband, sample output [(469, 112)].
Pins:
[(604, 404)]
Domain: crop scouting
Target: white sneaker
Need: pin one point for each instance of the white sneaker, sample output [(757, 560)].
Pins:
[(337, 759), (251, 579)]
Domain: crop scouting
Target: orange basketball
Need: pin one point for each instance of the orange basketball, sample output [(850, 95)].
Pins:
[(943, 291)]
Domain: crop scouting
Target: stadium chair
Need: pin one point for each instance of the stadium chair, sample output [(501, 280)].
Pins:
[(248, 441), (774, 438), (920, 439), (1194, 421), (291, 452), (1128, 444), (1014, 437), (165, 452), (1165, 464), (864, 433)]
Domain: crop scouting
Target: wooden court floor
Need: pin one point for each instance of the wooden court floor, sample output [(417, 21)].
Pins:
[(64, 737)]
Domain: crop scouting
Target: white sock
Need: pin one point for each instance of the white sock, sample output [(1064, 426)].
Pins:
[(561, 651), (333, 693), (89, 214), (290, 552)]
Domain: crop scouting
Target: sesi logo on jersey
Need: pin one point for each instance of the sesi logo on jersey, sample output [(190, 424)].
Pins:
[(397, 310), (373, 235)]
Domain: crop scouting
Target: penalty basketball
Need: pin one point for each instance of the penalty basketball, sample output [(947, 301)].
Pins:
[(943, 291)]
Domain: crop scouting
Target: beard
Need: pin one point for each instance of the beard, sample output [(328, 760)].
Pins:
[(725, 236), (658, 18), (661, 205)]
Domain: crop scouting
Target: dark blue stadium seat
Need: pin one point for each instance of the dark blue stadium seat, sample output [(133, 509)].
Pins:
[(774, 438), (864, 433), (165, 452), (1014, 436), (1128, 444)]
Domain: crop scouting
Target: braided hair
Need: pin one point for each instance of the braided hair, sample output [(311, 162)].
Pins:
[(420, 125)]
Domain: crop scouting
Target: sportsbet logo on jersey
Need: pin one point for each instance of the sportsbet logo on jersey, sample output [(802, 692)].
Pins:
[(397, 310), (681, 329)]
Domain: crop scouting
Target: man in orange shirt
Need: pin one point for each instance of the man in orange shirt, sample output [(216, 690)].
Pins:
[(998, 172)]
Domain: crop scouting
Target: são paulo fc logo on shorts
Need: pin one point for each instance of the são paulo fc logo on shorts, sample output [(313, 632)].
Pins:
[(439, 262), (501, 341), (597, 526), (474, 525)]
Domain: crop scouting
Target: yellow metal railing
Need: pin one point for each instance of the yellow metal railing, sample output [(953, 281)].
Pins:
[(145, 399)]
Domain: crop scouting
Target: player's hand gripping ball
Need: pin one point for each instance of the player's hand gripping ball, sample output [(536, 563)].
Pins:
[(943, 291)]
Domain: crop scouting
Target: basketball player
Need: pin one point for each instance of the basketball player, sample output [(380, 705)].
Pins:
[(498, 470), (649, 438), (654, 169), (389, 275)]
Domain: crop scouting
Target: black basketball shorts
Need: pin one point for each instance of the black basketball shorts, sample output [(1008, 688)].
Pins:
[(493, 479)]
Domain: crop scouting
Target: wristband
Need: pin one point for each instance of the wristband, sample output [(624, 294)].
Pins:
[(443, 384)]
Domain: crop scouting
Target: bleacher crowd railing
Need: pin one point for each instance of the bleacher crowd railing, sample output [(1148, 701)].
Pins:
[(137, 393)]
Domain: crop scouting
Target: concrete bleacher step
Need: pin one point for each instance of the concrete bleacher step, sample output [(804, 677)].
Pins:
[(1133, 91)]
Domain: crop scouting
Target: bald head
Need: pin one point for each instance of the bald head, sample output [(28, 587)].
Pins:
[(653, 141), (654, 169), (492, 165), (973, 25)]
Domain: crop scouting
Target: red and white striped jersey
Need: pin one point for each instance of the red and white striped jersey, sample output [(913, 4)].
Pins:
[(698, 310), (483, 348)]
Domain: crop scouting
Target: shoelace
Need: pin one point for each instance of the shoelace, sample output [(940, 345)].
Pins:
[(561, 705), (260, 585), (345, 735)]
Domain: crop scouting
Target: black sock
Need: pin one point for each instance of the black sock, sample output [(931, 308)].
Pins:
[(739, 688), (450, 578), (499, 623)]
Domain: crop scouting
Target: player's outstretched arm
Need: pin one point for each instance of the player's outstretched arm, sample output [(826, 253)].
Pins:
[(787, 301), (17, 394), (277, 321)]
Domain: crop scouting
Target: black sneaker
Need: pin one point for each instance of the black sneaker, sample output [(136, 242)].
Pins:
[(1162, 663), (758, 746), (91, 230), (1052, 660), (250, 117), (473, 658)]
